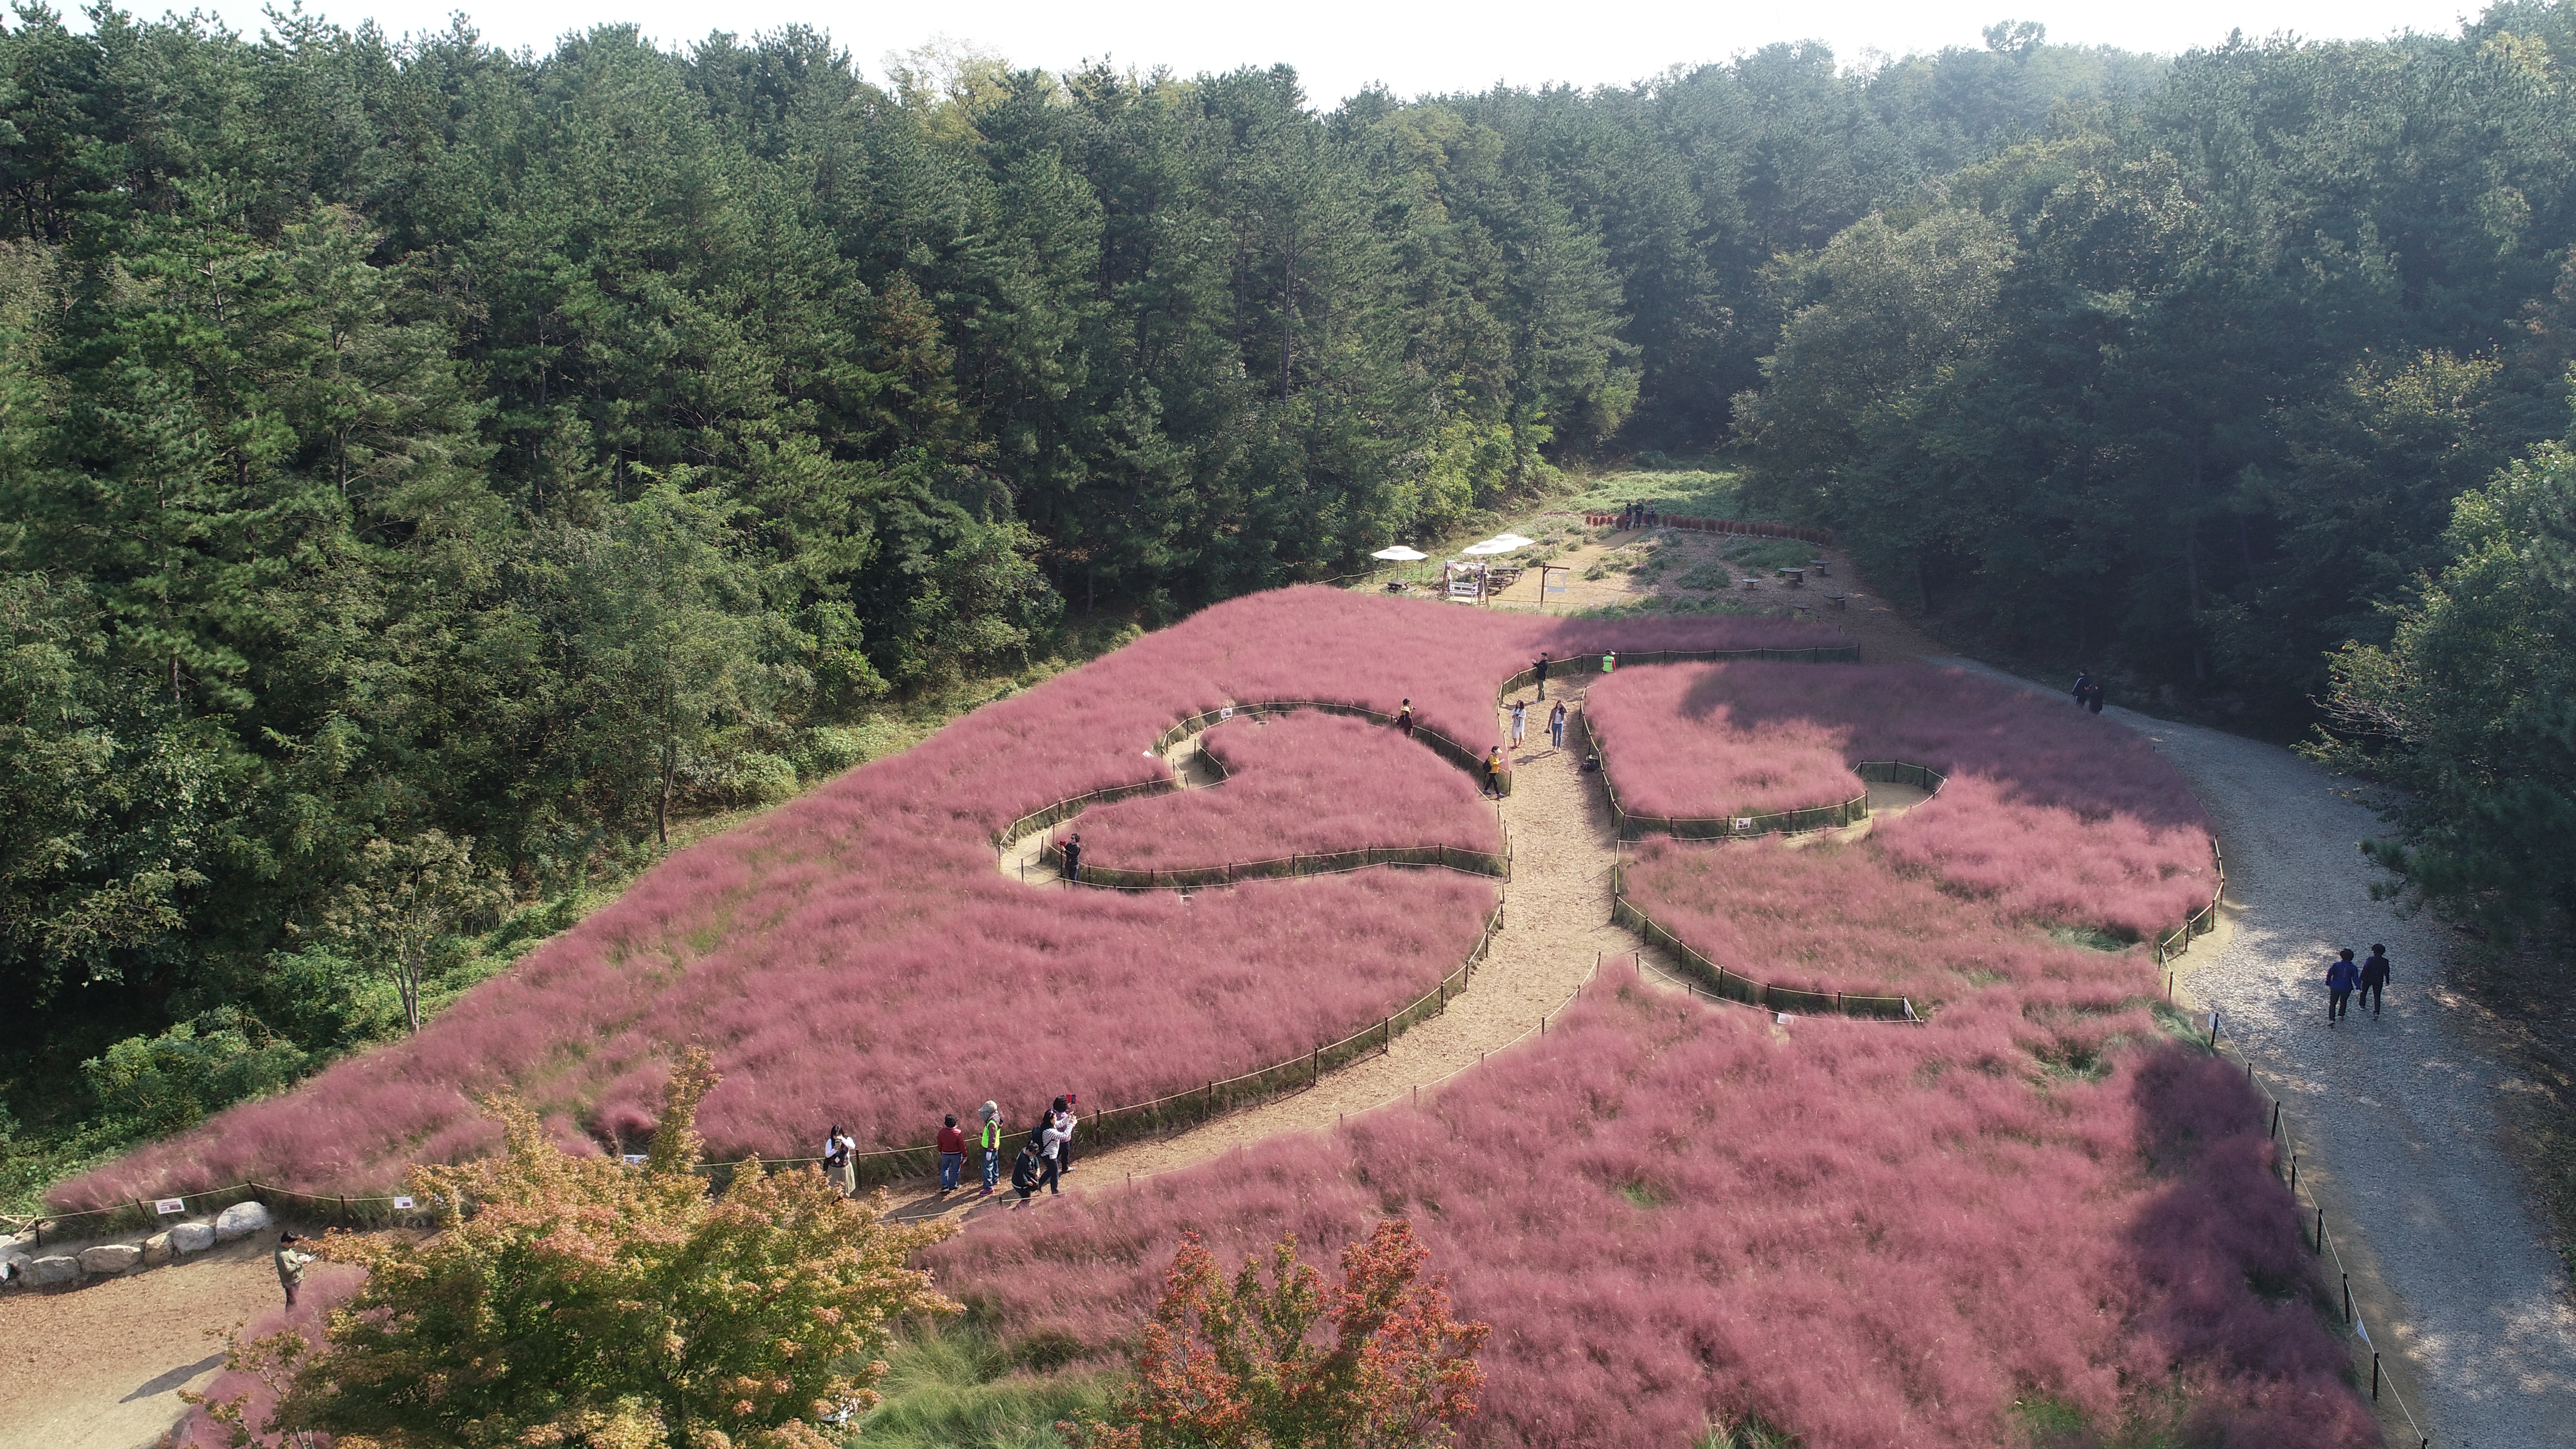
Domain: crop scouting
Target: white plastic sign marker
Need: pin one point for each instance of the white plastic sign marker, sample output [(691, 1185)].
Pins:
[(633, 1159), (1743, 822), (402, 1204), (168, 1206)]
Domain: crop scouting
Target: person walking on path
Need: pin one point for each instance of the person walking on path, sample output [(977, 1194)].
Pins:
[(290, 1265), (952, 1155), (989, 1137), (1520, 721), (2374, 978), (1556, 725), (1541, 669), (1404, 718), (1050, 1144), (2093, 700), (1493, 773), (2083, 687), (1073, 858), (2341, 978), (1027, 1172)]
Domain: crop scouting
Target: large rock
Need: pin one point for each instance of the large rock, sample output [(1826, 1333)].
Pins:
[(156, 1250), (192, 1237), (241, 1220), (110, 1258), (13, 1266), (59, 1268)]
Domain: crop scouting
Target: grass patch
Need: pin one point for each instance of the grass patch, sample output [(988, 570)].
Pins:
[(2089, 938), (956, 1387), (1683, 492), (1762, 555)]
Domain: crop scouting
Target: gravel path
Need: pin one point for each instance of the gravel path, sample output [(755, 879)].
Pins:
[(2401, 1109)]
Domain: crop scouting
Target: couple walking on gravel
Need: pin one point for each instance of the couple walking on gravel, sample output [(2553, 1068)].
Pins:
[(2345, 976)]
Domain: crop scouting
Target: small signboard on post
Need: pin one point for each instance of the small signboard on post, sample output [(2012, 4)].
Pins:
[(170, 1206), (632, 1159), (402, 1205), (1743, 823)]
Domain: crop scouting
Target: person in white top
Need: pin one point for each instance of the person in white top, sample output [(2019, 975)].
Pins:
[(1520, 719)]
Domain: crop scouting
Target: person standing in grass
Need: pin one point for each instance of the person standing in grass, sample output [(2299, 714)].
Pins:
[(1556, 725), (1541, 669), (2374, 978), (290, 1265), (1520, 721), (952, 1155), (1073, 858), (989, 1137), (1404, 718), (2341, 978)]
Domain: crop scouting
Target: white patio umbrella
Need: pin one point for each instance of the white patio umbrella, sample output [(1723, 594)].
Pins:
[(1400, 554), (1499, 543)]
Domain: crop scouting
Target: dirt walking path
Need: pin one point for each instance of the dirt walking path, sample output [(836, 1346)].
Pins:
[(101, 1366), (2395, 1115)]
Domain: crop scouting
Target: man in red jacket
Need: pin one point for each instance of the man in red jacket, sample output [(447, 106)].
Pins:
[(952, 1154)]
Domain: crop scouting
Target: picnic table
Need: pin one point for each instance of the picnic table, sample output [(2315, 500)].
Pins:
[(1839, 601), (1797, 577)]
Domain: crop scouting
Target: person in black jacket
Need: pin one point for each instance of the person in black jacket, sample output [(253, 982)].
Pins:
[(2374, 976), (1073, 858), (2083, 687), (1025, 1171), (1541, 667)]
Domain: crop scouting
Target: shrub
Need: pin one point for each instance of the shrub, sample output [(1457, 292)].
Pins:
[(855, 954), (582, 1301), (166, 1082), (1238, 1366)]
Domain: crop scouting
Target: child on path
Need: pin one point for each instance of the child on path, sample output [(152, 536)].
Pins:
[(1520, 720), (1404, 718), (1073, 858), (2341, 978), (1556, 725), (989, 1137), (1026, 1172), (2374, 978), (952, 1155), (290, 1265)]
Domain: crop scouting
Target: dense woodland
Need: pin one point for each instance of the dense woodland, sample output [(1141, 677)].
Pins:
[(424, 469)]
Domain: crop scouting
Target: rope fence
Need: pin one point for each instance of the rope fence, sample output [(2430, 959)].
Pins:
[(2178, 941), (1717, 981), (1328, 862)]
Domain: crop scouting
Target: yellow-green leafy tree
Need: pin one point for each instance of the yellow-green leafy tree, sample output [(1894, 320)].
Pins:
[(576, 1301)]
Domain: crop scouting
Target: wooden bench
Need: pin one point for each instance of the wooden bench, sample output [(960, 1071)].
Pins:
[(1797, 578), (1837, 600)]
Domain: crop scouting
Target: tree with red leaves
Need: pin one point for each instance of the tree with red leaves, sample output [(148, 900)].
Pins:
[(1243, 1366)]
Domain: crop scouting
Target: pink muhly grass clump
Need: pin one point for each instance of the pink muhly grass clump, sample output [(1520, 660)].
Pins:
[(1822, 916), (856, 954), (1299, 783), (2058, 816), (1676, 1215), (326, 1286)]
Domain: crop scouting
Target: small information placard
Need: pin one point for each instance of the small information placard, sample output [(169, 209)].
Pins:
[(1226, 713), (169, 1206), (402, 1205), (1743, 822), (633, 1159)]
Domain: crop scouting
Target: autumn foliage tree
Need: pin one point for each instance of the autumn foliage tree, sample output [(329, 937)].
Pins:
[(1376, 1363), (576, 1301)]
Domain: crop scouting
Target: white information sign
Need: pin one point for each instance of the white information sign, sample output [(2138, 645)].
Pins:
[(402, 1205), (633, 1159), (169, 1206), (1743, 822)]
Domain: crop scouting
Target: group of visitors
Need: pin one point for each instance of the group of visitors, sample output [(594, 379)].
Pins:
[(2088, 691), (1641, 515), (1045, 1156), (2345, 976)]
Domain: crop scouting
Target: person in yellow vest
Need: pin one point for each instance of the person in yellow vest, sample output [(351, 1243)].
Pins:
[(989, 1138), (1609, 660)]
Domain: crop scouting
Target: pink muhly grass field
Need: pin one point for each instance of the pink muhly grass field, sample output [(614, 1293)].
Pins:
[(857, 956), (1823, 916), (2057, 816), (1676, 1215), (1298, 783)]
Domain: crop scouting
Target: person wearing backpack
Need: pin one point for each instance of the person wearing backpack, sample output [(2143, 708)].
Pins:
[(989, 1138), (2374, 979), (1026, 1171), (1494, 773), (2341, 978)]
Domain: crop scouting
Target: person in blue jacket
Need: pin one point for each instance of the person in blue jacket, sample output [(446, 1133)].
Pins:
[(2341, 978)]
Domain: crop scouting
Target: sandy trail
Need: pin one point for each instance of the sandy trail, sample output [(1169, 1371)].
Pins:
[(2395, 1116)]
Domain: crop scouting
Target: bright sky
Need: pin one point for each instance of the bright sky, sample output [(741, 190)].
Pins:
[(1339, 46)]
